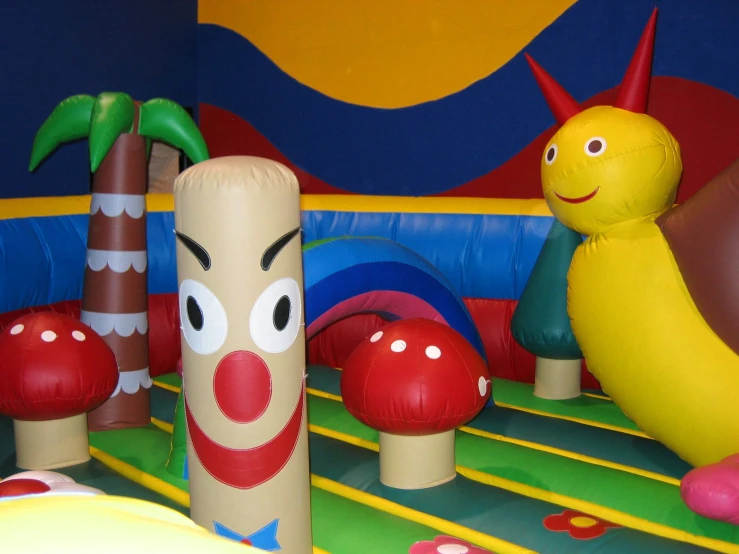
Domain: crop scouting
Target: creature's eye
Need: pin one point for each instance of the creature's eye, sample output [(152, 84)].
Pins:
[(275, 318), (595, 146), (551, 154), (202, 317)]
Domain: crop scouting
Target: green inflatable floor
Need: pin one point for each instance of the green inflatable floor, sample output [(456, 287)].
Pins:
[(523, 464)]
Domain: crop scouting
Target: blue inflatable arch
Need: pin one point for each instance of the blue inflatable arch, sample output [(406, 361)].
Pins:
[(354, 275)]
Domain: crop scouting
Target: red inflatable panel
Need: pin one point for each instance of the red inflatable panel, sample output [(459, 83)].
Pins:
[(506, 359)]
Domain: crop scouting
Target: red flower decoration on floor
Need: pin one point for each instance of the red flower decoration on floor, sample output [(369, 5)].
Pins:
[(580, 526), (444, 544)]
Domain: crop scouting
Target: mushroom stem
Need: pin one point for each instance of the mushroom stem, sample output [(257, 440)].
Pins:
[(416, 462), (557, 379), (51, 444)]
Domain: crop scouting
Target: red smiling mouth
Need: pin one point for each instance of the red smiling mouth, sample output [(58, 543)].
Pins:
[(578, 200), (250, 467)]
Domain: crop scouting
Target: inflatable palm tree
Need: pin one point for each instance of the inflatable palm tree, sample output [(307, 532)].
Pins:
[(115, 292)]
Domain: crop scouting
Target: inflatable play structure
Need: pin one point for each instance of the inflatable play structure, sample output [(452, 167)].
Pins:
[(417, 444)]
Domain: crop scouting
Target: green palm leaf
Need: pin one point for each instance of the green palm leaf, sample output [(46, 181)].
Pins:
[(69, 121), (112, 115), (166, 121)]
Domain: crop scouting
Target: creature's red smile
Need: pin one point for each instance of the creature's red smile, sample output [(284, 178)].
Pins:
[(251, 467), (579, 199)]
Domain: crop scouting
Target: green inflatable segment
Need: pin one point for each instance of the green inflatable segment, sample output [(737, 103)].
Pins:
[(164, 120), (646, 498), (69, 121), (540, 323), (491, 510), (339, 524), (170, 379), (586, 408), (92, 473), (112, 116), (145, 448), (176, 462)]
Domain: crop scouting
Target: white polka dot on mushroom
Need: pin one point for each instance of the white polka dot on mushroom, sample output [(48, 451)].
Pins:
[(78, 335), (377, 336), (482, 384), (48, 336), (433, 352), (452, 549), (17, 329), (398, 346)]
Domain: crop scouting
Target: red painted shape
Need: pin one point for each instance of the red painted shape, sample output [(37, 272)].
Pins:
[(227, 134), (242, 386), (53, 366), (703, 119), (22, 487), (417, 377), (579, 199), (250, 467)]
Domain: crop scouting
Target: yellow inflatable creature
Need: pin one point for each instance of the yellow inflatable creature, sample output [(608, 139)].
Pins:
[(651, 306)]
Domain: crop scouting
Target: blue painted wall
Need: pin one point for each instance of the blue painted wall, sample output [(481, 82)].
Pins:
[(52, 49)]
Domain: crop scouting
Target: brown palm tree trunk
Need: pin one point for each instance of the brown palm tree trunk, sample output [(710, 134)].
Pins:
[(115, 293)]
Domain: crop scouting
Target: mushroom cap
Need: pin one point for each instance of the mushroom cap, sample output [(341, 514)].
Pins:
[(42, 483), (415, 377), (53, 366)]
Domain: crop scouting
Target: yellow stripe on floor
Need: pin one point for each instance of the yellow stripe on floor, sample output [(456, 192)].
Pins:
[(442, 525), (142, 478), (167, 386), (572, 455), (576, 420)]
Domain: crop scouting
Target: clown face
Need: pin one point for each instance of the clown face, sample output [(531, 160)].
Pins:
[(239, 263)]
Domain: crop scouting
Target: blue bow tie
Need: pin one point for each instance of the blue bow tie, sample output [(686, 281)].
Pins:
[(265, 538)]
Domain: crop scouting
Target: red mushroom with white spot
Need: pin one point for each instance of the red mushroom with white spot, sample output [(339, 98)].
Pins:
[(415, 381), (42, 483), (53, 370)]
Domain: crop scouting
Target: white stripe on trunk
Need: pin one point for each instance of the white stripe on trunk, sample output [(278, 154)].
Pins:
[(123, 324), (114, 205), (119, 261), (130, 381)]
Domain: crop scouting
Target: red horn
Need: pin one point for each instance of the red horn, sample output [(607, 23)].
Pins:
[(634, 89), (563, 106)]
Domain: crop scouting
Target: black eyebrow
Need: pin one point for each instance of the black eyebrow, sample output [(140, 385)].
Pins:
[(200, 253), (272, 250)]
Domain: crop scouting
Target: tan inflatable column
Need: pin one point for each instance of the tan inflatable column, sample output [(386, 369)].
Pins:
[(240, 276)]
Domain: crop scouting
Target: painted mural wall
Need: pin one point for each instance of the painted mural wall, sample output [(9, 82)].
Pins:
[(435, 98), (53, 49)]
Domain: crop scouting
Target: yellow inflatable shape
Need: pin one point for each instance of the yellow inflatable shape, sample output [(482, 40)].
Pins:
[(609, 172), (386, 53), (648, 345), (607, 165), (110, 524)]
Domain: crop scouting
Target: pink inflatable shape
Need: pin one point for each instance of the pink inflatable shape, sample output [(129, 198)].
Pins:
[(713, 491)]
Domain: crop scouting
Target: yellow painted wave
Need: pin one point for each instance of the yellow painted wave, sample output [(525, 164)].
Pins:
[(386, 53)]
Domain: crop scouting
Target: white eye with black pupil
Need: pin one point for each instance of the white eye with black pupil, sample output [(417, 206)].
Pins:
[(202, 318), (551, 154), (274, 322), (595, 146)]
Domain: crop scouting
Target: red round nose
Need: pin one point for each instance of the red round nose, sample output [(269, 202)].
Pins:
[(242, 386)]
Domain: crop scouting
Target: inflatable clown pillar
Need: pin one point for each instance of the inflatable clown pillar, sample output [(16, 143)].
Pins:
[(239, 266)]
